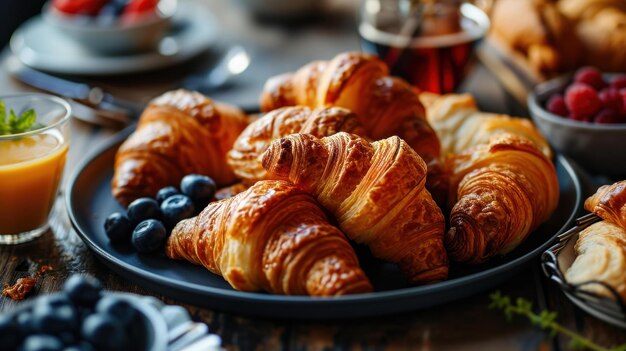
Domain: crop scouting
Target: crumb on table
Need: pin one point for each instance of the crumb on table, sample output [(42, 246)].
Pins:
[(20, 289)]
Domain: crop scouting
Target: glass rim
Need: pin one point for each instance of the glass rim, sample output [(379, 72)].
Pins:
[(470, 11), (55, 99)]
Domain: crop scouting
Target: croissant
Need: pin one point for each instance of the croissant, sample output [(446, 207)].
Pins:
[(504, 190), (600, 256), (376, 193), (460, 125), (180, 132), (272, 237), (385, 105), (539, 31), (245, 157), (609, 203)]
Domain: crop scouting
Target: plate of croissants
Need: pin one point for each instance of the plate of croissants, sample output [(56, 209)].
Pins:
[(589, 260), (352, 195)]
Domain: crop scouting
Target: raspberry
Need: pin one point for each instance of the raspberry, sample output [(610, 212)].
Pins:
[(581, 118), (590, 76), (607, 116), (556, 105), (612, 99), (618, 82), (582, 101)]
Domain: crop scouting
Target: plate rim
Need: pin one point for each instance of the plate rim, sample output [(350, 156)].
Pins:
[(286, 300), (141, 62)]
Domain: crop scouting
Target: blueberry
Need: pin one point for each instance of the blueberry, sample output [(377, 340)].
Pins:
[(121, 309), (58, 300), (54, 319), (166, 192), (199, 188), (9, 333), (142, 209), (42, 342), (83, 346), (149, 236), (103, 332), (24, 321), (176, 208), (84, 290), (118, 228)]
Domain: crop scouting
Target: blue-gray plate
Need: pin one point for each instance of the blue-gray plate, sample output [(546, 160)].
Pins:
[(89, 202)]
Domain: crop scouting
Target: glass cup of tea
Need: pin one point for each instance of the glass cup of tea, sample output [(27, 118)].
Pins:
[(34, 140), (428, 43)]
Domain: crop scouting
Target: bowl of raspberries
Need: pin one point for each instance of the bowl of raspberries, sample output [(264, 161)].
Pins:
[(111, 27), (584, 116)]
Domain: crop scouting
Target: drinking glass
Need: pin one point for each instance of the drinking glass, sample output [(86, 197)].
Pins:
[(31, 165), (428, 43)]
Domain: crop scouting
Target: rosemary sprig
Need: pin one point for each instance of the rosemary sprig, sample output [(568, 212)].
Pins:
[(545, 320)]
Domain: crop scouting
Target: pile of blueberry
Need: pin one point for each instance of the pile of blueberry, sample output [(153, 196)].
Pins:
[(591, 98), (79, 318), (148, 222)]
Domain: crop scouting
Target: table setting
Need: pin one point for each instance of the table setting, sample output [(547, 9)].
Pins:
[(345, 174)]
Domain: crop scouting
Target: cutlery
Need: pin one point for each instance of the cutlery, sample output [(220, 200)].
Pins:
[(233, 63), (92, 96)]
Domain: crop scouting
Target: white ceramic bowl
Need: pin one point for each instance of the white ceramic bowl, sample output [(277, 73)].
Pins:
[(599, 148), (118, 38)]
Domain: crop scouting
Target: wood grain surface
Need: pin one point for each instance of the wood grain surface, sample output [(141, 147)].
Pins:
[(463, 325)]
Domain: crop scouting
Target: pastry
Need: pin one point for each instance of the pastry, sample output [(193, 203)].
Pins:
[(273, 237), (460, 125), (539, 31), (609, 203), (180, 132), (376, 193), (501, 191), (245, 158), (385, 105), (600, 256)]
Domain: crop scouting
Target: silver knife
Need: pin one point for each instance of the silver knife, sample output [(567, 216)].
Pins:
[(88, 96)]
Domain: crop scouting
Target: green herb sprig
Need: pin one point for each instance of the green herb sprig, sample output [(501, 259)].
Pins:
[(12, 124), (545, 320)]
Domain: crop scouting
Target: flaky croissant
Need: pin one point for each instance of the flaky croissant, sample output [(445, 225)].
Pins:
[(376, 193), (600, 256), (245, 157), (609, 203), (180, 132), (504, 190), (272, 237), (385, 105), (460, 125)]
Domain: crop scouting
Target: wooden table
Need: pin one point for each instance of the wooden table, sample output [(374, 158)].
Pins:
[(462, 325)]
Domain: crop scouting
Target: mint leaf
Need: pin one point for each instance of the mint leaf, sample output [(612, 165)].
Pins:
[(3, 112), (12, 121), (16, 125), (26, 120)]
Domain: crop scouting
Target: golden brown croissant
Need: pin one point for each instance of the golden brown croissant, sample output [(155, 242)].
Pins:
[(460, 125), (272, 237), (539, 31), (601, 256), (245, 157), (609, 203), (180, 132), (385, 105), (375, 191), (504, 190)]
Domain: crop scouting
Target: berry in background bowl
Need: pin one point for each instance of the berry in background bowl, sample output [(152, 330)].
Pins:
[(112, 27), (584, 116)]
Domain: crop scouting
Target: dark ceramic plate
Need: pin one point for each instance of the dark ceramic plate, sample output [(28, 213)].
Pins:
[(89, 202)]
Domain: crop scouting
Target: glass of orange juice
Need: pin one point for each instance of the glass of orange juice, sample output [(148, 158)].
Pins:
[(34, 139)]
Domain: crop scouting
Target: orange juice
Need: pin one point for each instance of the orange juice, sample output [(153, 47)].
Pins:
[(30, 171)]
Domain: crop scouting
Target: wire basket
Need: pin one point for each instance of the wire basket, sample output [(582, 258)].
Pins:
[(611, 310)]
